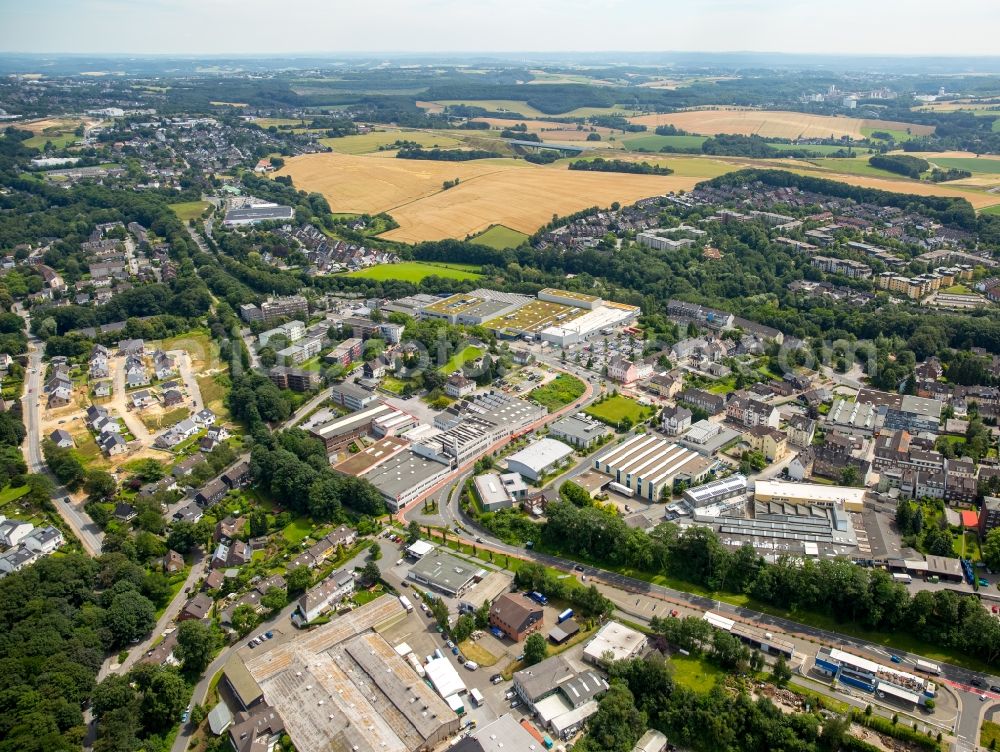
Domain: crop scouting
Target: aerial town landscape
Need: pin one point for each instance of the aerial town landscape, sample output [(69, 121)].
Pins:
[(497, 401)]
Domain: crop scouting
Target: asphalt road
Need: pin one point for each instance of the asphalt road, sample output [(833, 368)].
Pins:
[(89, 534), (959, 679)]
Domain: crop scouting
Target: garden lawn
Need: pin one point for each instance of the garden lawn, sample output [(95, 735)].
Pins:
[(417, 271), (695, 673), (12, 493), (459, 359), (297, 530), (559, 392), (990, 735), (616, 409)]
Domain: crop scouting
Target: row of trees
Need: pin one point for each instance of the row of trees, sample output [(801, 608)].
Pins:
[(835, 588)]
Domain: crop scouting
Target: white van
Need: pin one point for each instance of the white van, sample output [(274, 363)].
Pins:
[(471, 665)]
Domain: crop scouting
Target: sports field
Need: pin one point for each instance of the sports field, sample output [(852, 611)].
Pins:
[(501, 237), (415, 271), (368, 142), (777, 123), (509, 192)]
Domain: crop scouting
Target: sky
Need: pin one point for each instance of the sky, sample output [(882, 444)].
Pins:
[(869, 27)]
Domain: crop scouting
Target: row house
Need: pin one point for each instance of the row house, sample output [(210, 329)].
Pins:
[(750, 412)]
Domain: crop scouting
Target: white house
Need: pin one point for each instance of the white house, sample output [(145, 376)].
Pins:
[(44, 540), (12, 532)]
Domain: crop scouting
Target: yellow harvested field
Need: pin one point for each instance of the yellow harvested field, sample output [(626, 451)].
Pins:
[(920, 188), (774, 124), (523, 200), (431, 108), (510, 192), (359, 184)]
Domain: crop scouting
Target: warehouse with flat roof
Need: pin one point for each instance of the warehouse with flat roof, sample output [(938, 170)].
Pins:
[(444, 572), (342, 687), (539, 458), (809, 494), (647, 464)]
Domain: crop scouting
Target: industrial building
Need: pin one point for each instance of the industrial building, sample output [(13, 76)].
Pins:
[(474, 308), (444, 572), (810, 494), (889, 683), (516, 615), (539, 458), (561, 697), (904, 411), (779, 527), (580, 430), (405, 477), (647, 464), (716, 491), (337, 432), (499, 491), (502, 735), (342, 687), (614, 642), (251, 215), (752, 636)]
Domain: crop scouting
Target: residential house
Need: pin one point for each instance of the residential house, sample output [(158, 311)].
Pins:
[(750, 412), (163, 365), (211, 492), (43, 540), (770, 442), (458, 386), (12, 532), (801, 430), (173, 562), (675, 420), (102, 389), (229, 528), (198, 607), (61, 438), (233, 554), (113, 444), (516, 615), (124, 512), (172, 397), (17, 559), (204, 417), (628, 372), (713, 404), (237, 475), (327, 594), (142, 398), (666, 385)]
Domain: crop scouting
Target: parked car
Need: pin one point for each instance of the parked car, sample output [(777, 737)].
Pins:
[(994, 688), (515, 704), (496, 679), (449, 643), (471, 665), (977, 682), (895, 659)]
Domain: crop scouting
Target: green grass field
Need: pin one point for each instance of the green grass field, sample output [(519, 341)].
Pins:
[(652, 142), (989, 736), (987, 166), (12, 493), (857, 166), (615, 409), (562, 390), (189, 209), (500, 237), (459, 359), (992, 209), (59, 140), (817, 148), (898, 135), (695, 673), (366, 143), (417, 271), (297, 530)]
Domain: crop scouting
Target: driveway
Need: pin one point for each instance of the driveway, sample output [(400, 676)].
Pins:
[(119, 401)]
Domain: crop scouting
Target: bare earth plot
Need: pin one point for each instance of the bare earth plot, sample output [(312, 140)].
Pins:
[(776, 124)]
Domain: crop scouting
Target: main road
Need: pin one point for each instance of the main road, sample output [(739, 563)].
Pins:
[(72, 512)]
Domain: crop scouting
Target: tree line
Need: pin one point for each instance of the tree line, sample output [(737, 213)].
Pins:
[(848, 593)]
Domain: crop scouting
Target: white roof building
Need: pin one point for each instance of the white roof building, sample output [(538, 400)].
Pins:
[(616, 640), (538, 458)]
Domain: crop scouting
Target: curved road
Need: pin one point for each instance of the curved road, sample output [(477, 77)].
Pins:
[(959, 679)]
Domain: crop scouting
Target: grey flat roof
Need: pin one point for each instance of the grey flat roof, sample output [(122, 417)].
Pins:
[(259, 213), (403, 472), (445, 571)]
